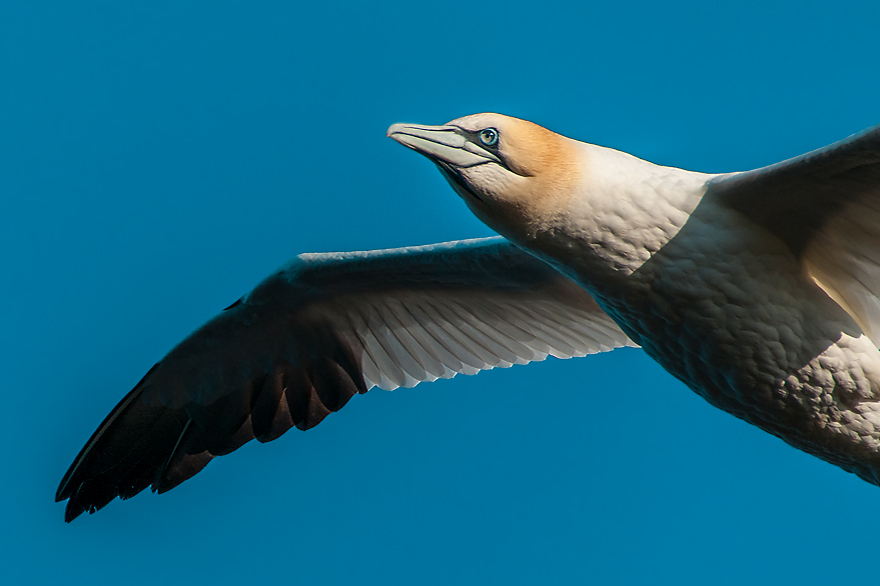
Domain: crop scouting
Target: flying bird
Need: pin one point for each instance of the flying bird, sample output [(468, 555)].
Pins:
[(760, 290)]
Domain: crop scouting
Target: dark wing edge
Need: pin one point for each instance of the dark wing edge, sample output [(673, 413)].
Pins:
[(149, 441), (319, 331)]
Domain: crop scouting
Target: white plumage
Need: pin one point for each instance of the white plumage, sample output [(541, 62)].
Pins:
[(406, 331), (759, 290)]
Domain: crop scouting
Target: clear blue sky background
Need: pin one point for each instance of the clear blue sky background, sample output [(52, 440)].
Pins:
[(156, 161)]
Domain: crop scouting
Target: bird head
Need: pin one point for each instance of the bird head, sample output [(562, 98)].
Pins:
[(512, 173)]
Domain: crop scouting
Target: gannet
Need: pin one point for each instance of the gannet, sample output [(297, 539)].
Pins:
[(759, 290)]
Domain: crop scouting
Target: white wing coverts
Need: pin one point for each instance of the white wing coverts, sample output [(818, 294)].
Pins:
[(826, 206), (320, 330)]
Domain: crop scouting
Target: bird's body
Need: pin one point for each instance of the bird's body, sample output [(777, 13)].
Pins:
[(759, 290), (718, 300), (726, 307), (720, 303)]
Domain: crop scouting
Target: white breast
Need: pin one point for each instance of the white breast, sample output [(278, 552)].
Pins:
[(725, 306)]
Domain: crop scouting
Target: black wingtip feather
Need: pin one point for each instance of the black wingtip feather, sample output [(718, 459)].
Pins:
[(163, 432), (66, 488)]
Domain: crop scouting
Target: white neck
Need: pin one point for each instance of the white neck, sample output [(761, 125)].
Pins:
[(624, 210)]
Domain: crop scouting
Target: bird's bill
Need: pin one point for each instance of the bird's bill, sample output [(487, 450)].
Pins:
[(447, 144)]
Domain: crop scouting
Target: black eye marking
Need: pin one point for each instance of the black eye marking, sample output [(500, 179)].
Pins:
[(489, 136)]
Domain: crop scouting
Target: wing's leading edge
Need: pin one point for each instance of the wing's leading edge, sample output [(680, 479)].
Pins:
[(320, 330)]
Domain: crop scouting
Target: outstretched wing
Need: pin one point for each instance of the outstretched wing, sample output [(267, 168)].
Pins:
[(320, 330), (825, 205)]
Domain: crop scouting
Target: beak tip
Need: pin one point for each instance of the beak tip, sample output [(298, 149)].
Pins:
[(440, 143)]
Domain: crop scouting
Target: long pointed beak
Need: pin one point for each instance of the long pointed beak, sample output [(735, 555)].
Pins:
[(441, 143)]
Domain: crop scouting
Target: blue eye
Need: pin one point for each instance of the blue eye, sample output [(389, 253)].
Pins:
[(488, 136)]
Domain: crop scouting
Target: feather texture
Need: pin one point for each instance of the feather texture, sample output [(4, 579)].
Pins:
[(825, 205), (319, 331)]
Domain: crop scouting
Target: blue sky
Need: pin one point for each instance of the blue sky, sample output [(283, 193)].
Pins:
[(159, 160)]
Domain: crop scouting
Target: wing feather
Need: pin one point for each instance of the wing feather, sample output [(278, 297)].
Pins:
[(825, 206), (321, 330)]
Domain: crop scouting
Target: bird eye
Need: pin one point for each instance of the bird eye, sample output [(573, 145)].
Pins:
[(488, 136)]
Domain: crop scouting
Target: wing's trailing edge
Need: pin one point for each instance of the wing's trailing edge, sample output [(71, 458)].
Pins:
[(317, 332)]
